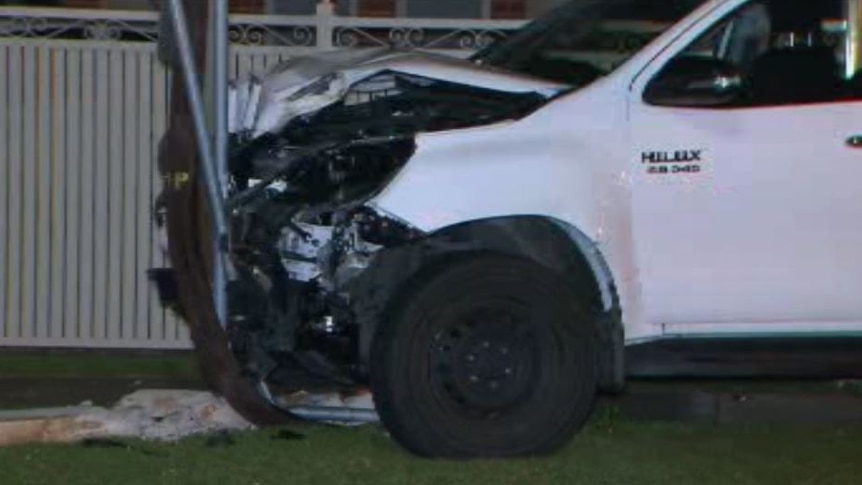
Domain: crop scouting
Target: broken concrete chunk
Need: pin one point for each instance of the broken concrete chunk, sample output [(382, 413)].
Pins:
[(148, 414)]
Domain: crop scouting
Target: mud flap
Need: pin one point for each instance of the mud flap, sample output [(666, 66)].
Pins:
[(612, 377)]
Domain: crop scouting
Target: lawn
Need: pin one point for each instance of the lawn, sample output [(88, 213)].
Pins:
[(174, 365), (612, 450), (609, 451)]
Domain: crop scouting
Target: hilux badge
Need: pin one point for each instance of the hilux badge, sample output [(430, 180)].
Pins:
[(671, 162)]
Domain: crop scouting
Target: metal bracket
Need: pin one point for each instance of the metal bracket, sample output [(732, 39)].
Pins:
[(212, 149)]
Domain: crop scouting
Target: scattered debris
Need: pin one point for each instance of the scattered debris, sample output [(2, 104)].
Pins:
[(360, 399), (107, 443), (169, 415), (165, 415), (220, 439), (104, 443), (353, 409)]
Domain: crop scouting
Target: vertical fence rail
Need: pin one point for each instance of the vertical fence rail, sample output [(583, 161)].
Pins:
[(145, 141), (29, 188), (85, 206), (14, 185), (129, 184), (100, 258), (44, 194), (69, 157), (4, 183), (57, 145)]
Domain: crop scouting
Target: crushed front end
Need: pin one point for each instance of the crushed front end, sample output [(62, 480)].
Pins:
[(306, 158)]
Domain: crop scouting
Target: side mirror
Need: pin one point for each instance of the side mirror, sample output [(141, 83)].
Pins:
[(694, 82)]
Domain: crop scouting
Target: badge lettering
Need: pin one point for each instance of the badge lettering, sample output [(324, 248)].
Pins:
[(679, 156), (673, 162)]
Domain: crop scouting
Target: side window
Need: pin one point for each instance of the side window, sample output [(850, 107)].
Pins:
[(767, 53)]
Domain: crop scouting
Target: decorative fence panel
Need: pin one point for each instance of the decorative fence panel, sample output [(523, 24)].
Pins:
[(78, 133), (83, 105)]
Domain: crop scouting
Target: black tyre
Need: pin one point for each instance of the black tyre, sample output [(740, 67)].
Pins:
[(489, 356)]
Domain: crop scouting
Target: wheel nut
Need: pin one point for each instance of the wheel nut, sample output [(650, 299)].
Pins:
[(471, 358), (508, 371), (486, 344), (474, 378)]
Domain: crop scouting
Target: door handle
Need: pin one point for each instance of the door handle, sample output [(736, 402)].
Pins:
[(855, 141)]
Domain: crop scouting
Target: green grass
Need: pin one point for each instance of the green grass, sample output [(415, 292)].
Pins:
[(611, 450), (746, 386), (607, 452), (80, 364)]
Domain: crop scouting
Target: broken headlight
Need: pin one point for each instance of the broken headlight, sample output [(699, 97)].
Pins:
[(383, 229)]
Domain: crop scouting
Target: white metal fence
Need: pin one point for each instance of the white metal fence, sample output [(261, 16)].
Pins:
[(83, 104), (78, 132)]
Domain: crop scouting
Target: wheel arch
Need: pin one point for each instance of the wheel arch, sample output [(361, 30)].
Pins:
[(547, 241)]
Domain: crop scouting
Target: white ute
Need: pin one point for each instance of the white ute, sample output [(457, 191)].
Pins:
[(480, 239)]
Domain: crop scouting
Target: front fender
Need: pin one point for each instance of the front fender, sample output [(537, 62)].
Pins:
[(571, 161), (550, 243), (509, 169)]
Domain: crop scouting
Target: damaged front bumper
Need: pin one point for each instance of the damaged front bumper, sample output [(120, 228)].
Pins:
[(310, 148)]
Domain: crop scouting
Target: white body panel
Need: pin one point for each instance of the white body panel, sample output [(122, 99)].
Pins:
[(578, 176), (765, 232), (765, 240)]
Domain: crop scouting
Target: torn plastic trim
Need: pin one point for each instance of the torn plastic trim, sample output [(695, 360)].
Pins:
[(280, 108), (595, 259), (321, 413), (335, 414), (386, 229)]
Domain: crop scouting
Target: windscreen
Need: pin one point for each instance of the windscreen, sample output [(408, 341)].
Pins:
[(585, 39)]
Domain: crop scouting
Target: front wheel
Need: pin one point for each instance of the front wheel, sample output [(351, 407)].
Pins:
[(489, 356)]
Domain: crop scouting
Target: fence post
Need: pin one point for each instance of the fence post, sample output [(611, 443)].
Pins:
[(325, 24)]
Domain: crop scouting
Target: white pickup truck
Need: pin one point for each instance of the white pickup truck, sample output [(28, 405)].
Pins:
[(481, 239)]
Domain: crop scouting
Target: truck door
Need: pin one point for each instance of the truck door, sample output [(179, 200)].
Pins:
[(748, 171)]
